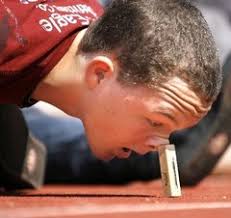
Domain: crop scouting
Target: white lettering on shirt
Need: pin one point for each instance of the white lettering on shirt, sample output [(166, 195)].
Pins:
[(57, 20)]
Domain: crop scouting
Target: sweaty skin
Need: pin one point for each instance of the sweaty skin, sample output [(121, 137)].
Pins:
[(118, 119)]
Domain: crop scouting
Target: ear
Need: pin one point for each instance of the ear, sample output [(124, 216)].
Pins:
[(98, 70)]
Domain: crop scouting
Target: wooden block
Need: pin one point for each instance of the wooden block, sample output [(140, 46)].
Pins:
[(169, 171)]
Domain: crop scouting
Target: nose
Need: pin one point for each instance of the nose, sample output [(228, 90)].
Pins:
[(150, 144), (156, 141)]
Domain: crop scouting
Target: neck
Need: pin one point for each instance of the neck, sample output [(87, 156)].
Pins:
[(62, 86)]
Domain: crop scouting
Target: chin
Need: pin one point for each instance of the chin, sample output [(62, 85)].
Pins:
[(106, 156), (103, 156)]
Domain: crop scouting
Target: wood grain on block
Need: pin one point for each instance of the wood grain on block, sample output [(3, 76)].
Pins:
[(169, 171)]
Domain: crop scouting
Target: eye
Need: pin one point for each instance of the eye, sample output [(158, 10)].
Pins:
[(154, 123)]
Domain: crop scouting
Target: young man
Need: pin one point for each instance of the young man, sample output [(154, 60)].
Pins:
[(139, 72)]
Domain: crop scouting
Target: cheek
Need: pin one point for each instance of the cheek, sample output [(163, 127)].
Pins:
[(126, 131), (136, 130)]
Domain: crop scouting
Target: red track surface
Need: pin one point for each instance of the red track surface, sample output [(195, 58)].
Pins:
[(212, 198)]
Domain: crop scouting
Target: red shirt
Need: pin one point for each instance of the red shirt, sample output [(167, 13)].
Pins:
[(34, 36)]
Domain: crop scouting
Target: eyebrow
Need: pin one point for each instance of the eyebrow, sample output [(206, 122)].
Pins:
[(170, 116)]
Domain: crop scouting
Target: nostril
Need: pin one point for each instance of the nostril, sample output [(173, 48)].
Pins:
[(153, 147)]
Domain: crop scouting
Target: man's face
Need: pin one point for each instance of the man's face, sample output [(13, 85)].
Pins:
[(124, 119)]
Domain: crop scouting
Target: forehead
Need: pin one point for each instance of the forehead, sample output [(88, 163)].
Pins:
[(174, 99)]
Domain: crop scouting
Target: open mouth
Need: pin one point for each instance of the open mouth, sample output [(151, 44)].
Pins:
[(126, 149)]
